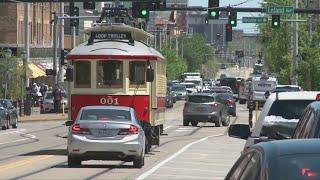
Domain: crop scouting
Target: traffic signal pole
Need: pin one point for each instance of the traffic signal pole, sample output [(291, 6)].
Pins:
[(60, 74), (294, 78), (55, 46)]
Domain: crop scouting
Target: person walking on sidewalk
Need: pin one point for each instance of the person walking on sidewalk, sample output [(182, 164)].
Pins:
[(57, 97)]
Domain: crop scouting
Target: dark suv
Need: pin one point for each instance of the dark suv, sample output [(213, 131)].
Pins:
[(202, 107)]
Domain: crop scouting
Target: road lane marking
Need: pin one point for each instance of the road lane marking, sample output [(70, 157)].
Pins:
[(28, 137), (12, 132), (183, 176), (156, 167), (24, 162), (167, 128)]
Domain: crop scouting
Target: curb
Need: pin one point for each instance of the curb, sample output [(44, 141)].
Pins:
[(41, 120)]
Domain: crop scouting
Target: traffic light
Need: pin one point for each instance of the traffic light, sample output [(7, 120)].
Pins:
[(141, 9), (275, 21), (233, 19), (89, 4), (74, 11), (213, 14), (228, 32), (63, 55)]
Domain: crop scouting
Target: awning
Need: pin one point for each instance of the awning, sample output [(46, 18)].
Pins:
[(34, 71)]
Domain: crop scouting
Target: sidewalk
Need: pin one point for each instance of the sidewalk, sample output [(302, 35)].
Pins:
[(44, 117)]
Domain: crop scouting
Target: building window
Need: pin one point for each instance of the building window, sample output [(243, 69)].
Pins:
[(83, 74), (109, 74), (137, 72)]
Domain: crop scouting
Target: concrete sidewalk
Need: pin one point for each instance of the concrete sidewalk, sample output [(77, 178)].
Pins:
[(44, 117)]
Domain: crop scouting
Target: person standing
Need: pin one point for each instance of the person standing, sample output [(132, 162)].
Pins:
[(57, 97)]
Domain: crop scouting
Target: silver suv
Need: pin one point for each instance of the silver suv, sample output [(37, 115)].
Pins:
[(203, 107)]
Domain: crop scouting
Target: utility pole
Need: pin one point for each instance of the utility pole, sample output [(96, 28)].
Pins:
[(55, 46), (294, 79), (26, 44), (60, 74)]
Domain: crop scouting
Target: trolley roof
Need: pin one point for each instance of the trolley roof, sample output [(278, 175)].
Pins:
[(110, 49)]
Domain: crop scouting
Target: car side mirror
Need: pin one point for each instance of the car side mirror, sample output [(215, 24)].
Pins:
[(69, 123), (241, 131), (69, 74), (150, 75)]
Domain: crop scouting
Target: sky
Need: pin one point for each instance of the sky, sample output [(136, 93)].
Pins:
[(248, 28)]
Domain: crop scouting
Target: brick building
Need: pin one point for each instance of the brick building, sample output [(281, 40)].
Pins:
[(12, 28)]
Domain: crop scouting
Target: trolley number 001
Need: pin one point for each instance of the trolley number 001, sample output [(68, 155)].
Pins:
[(109, 101)]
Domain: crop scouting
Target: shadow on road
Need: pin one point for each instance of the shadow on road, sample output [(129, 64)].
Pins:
[(122, 165), (56, 152)]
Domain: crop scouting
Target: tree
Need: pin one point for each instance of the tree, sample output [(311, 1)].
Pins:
[(175, 65), (196, 52), (12, 73)]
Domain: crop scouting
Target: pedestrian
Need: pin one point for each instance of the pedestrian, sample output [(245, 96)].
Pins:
[(43, 89), (57, 97)]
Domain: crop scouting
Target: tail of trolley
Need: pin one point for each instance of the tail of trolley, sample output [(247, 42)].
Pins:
[(117, 68)]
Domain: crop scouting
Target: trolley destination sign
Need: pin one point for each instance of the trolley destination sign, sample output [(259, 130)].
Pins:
[(254, 19), (97, 35), (280, 10)]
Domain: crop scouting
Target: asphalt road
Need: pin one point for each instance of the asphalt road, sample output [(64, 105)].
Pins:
[(37, 150)]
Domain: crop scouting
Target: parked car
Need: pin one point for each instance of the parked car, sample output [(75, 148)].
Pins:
[(106, 133), (169, 98), (8, 114), (180, 91), (230, 102), (202, 107), (285, 159), (309, 124), (278, 118), (48, 104)]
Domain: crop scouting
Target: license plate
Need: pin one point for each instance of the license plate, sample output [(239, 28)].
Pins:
[(201, 109), (106, 132)]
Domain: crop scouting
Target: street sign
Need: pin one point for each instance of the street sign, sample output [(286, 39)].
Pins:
[(280, 10), (254, 20)]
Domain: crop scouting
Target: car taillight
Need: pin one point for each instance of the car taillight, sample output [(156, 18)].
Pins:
[(213, 106), (131, 130), (76, 129), (308, 173)]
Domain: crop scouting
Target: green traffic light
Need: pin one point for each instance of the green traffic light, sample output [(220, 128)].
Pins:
[(213, 13), (275, 23), (232, 22), (144, 12)]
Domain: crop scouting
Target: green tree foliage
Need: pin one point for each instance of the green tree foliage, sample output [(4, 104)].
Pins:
[(12, 67), (278, 55), (175, 65), (195, 51)]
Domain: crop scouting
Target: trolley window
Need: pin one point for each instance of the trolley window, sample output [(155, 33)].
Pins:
[(109, 74), (137, 72), (83, 74)]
